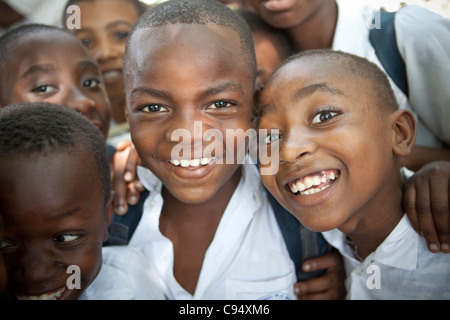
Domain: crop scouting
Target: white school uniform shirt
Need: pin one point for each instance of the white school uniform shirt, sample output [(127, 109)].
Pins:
[(418, 33), (247, 258), (401, 267), (126, 274)]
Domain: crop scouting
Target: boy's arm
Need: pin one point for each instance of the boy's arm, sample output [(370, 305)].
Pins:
[(426, 202), (330, 285)]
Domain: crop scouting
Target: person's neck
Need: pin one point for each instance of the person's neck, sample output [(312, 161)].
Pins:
[(371, 225), (208, 212), (317, 32)]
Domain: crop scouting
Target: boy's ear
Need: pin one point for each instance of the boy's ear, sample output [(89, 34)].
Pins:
[(404, 126), (109, 214), (126, 111)]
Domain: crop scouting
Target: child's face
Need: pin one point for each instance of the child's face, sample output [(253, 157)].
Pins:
[(105, 25), (267, 57), (54, 67), (177, 75), (286, 13), (335, 146), (54, 218)]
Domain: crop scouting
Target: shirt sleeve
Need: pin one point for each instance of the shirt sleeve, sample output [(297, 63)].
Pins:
[(423, 42)]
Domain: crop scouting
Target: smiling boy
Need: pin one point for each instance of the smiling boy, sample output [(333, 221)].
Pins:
[(339, 170), (56, 202), (210, 222), (43, 63)]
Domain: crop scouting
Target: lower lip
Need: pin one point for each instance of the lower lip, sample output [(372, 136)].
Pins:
[(279, 5), (192, 172)]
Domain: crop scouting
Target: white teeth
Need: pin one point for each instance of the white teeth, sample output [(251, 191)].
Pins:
[(313, 190), (46, 296), (191, 163), (310, 184)]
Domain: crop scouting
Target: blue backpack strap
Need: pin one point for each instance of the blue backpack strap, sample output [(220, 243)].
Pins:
[(384, 41), (122, 227), (301, 242)]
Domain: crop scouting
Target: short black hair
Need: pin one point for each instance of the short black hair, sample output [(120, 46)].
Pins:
[(355, 66), (9, 41), (42, 128), (140, 7), (197, 12), (258, 25)]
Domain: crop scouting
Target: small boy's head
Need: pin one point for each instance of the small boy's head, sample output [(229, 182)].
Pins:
[(340, 138), (104, 29), (189, 70), (55, 199), (43, 63), (272, 45)]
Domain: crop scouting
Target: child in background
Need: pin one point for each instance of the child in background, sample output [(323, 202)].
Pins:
[(207, 217), (56, 219), (339, 171), (44, 63), (105, 25)]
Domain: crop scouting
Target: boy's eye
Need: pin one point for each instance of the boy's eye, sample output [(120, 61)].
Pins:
[(272, 137), (44, 89), (324, 117), (153, 108), (66, 237), (7, 246), (91, 83), (121, 35), (219, 105), (86, 42)]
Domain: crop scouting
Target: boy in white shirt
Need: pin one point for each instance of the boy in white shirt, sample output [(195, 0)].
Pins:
[(339, 171)]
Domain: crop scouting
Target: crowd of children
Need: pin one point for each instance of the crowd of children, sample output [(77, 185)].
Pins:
[(205, 226)]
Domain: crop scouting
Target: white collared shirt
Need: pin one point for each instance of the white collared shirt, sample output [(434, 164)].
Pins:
[(428, 78), (126, 274), (247, 258), (401, 267)]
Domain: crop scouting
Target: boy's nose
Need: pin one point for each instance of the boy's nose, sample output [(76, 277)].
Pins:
[(106, 50), (79, 102), (296, 146)]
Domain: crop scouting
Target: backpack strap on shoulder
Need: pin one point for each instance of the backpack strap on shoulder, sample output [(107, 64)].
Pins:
[(384, 41), (122, 227), (301, 242)]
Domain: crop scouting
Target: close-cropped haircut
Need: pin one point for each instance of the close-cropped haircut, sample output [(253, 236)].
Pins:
[(11, 39), (140, 7), (42, 129), (350, 65), (258, 25), (197, 12)]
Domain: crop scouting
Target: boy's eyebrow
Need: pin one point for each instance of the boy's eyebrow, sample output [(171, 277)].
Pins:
[(44, 68), (86, 64), (109, 25), (312, 88), (303, 93)]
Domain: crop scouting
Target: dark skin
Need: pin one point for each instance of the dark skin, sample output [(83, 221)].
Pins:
[(53, 66), (104, 29), (162, 99), (310, 24), (54, 218)]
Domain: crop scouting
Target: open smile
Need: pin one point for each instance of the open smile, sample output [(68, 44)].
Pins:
[(313, 183), (51, 295)]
